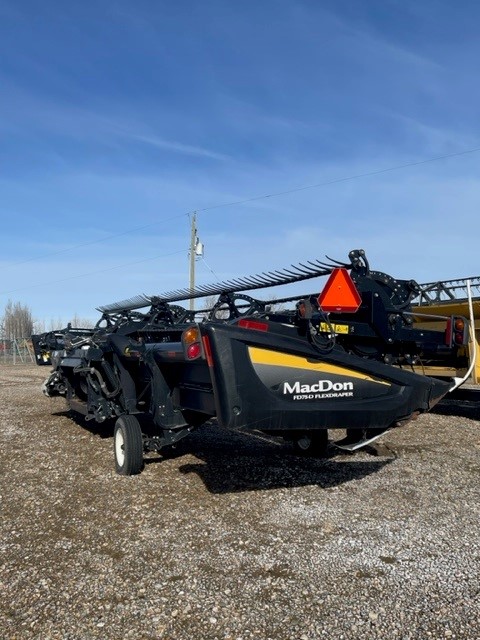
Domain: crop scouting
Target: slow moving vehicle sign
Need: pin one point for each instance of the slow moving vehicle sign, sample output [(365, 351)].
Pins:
[(340, 294)]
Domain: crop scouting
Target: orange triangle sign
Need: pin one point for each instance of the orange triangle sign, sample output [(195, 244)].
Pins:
[(340, 294)]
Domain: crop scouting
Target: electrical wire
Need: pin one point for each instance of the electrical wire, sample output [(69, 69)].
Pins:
[(93, 273), (274, 194), (210, 269), (316, 185), (90, 242), (235, 203)]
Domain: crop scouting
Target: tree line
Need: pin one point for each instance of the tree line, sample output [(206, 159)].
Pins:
[(17, 322)]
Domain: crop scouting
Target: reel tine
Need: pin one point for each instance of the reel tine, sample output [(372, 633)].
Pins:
[(342, 264), (265, 279)]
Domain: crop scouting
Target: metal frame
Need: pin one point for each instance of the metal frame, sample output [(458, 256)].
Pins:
[(446, 291)]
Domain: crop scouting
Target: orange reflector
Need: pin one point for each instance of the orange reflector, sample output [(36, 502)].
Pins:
[(340, 294)]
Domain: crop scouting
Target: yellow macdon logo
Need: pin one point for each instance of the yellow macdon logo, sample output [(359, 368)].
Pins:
[(278, 359)]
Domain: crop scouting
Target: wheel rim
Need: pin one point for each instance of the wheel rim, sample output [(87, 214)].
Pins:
[(304, 443), (119, 447)]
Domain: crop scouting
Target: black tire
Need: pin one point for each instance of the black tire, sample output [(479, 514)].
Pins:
[(128, 446), (311, 443)]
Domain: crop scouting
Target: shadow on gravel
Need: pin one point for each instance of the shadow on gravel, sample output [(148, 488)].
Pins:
[(222, 475), (462, 409), (233, 462), (104, 430)]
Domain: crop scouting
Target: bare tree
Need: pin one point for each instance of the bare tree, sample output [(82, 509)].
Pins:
[(39, 326), (83, 323), (276, 307), (209, 302), (55, 324), (17, 321)]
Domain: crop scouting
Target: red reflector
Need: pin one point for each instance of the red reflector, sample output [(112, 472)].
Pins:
[(194, 350), (208, 350), (253, 324), (449, 332), (340, 294)]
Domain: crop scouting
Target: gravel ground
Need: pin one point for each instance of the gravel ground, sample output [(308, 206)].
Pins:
[(235, 537)]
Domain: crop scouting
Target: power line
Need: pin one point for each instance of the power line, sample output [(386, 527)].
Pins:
[(210, 268), (338, 180), (90, 242), (238, 202), (93, 273), (274, 194)]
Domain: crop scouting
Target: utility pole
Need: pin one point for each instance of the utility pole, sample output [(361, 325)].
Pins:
[(196, 251), (193, 238)]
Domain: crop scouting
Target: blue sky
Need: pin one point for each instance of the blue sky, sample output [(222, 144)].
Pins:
[(118, 118)]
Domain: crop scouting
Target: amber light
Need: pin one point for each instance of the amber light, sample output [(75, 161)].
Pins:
[(192, 343), (191, 335), (457, 331)]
